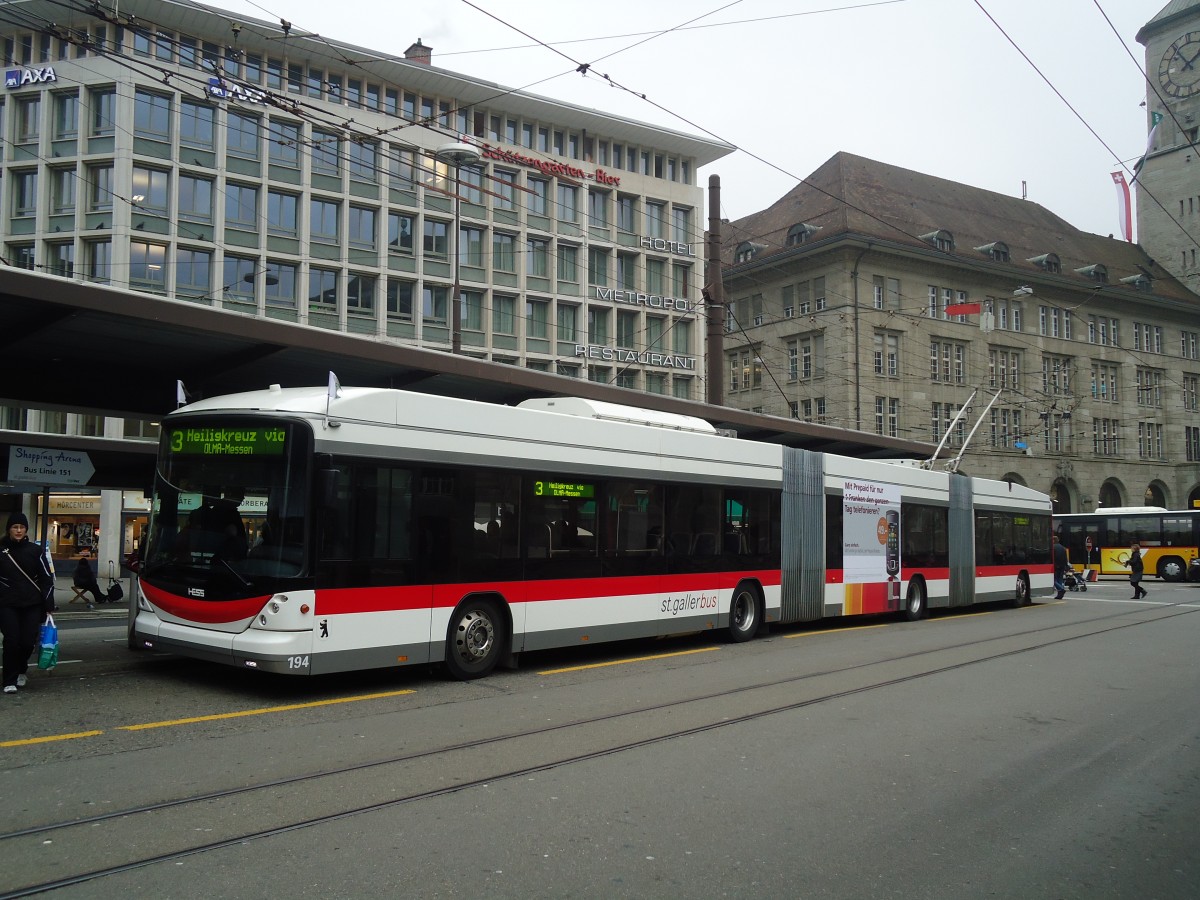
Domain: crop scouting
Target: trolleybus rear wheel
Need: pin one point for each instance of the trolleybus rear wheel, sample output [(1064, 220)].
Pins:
[(916, 606), (1022, 596), (475, 639), (744, 614)]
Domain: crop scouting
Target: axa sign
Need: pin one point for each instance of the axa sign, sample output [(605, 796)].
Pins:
[(15, 78)]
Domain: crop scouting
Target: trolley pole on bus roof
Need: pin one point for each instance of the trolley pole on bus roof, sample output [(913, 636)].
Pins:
[(714, 295)]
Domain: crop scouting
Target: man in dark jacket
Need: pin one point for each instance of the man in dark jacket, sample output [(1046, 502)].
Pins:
[(1061, 564), (26, 596)]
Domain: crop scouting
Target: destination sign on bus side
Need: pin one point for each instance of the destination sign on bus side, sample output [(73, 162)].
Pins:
[(228, 441), (570, 489)]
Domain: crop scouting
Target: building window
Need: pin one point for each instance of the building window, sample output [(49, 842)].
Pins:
[(504, 315), (568, 263), (281, 279), (29, 119), (887, 354), (326, 153), (193, 272), (538, 258), (151, 186), (1150, 440), (195, 198), (538, 196), (62, 259), (1191, 440), (567, 322), (360, 227), (598, 266), (470, 246), (1104, 437), (435, 241), (196, 124), (627, 329), (1005, 427), (400, 233), (239, 278), (103, 104), (283, 213), (147, 266), (283, 144), (360, 295), (626, 213), (1189, 383), (322, 290), (434, 304), (241, 136), (655, 219), (400, 299), (151, 116), (597, 325), (25, 193), (1056, 375), (568, 209), (241, 206), (887, 416), (504, 255), (537, 319), (1149, 387), (598, 209), (1004, 369), (100, 196), (1104, 382), (66, 116), (99, 259)]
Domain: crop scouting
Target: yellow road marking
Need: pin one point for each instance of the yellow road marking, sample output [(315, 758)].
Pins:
[(260, 712), (621, 662), (25, 742)]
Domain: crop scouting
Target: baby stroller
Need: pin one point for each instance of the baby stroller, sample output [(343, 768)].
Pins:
[(1073, 582)]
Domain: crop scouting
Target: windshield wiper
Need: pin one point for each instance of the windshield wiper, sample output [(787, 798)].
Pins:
[(236, 574)]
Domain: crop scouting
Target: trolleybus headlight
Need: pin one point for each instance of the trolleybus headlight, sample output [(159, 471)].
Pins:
[(274, 606), (263, 619)]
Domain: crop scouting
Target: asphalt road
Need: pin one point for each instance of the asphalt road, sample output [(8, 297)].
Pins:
[(1052, 751)]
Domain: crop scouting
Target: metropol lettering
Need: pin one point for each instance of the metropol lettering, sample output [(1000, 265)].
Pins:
[(652, 301), (644, 357)]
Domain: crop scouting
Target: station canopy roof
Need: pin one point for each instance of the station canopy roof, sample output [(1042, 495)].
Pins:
[(83, 347)]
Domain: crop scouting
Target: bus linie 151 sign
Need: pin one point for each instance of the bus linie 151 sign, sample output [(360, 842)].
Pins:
[(227, 441)]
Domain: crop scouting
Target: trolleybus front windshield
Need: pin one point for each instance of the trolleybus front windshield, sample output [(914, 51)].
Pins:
[(229, 506)]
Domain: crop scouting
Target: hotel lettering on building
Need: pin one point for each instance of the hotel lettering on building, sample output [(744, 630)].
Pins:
[(172, 149)]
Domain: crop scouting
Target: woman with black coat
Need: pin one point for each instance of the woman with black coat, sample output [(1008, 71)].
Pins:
[(26, 596), (1136, 568)]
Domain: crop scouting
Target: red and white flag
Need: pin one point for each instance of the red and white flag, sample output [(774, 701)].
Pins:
[(1123, 209)]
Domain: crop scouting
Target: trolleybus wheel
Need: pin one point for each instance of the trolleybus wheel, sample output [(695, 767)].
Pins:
[(475, 639), (1022, 596), (916, 606), (744, 614)]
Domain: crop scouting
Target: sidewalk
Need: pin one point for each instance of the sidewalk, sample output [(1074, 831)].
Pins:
[(79, 609)]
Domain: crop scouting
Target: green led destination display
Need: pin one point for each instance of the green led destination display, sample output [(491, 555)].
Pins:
[(572, 489), (227, 441)]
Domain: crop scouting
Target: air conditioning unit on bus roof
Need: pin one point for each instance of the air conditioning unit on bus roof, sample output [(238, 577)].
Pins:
[(615, 412)]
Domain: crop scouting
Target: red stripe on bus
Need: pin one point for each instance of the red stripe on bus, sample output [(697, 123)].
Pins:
[(340, 601), (210, 612)]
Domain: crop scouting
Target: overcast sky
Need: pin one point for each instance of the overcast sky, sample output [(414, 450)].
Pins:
[(930, 85)]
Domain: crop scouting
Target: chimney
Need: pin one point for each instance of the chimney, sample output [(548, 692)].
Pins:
[(419, 53)]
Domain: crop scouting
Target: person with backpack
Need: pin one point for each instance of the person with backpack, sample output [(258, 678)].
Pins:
[(26, 598), (1136, 569)]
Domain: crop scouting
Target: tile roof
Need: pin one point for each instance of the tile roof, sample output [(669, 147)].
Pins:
[(852, 195)]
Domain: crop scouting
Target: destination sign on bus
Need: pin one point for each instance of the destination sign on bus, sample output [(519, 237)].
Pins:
[(228, 441), (571, 489)]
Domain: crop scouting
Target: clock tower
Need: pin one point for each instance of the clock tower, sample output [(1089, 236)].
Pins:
[(1169, 229)]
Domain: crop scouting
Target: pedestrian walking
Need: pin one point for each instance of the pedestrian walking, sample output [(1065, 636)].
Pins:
[(26, 597), (1136, 568), (1061, 564)]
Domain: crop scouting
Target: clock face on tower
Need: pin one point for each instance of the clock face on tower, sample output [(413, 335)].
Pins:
[(1179, 71)]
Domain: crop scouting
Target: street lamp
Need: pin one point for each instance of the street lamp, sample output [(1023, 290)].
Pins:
[(458, 154)]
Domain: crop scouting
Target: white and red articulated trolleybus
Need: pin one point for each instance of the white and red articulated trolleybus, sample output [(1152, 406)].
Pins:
[(307, 531)]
